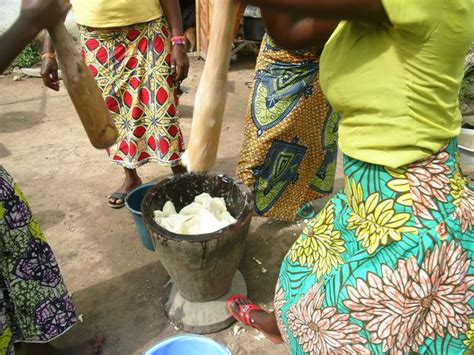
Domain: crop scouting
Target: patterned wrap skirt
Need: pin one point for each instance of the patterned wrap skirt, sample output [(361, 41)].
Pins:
[(35, 306), (387, 266), (290, 147), (132, 67)]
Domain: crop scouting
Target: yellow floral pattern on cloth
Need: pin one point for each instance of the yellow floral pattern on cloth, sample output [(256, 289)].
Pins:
[(375, 221), (320, 245), (401, 185), (457, 184), (469, 342)]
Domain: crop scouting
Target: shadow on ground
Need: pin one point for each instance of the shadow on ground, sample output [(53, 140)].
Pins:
[(120, 305), (127, 309), (19, 120)]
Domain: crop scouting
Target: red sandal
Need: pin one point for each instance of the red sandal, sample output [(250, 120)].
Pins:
[(244, 310)]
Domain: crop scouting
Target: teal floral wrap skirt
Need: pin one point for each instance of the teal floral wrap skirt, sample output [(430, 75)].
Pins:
[(387, 266)]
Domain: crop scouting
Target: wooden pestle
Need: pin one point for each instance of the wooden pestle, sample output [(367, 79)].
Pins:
[(83, 90), (212, 90)]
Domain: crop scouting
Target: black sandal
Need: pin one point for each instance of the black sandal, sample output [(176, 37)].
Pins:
[(118, 196)]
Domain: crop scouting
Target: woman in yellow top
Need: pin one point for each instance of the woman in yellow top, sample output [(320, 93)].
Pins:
[(136, 52), (387, 266)]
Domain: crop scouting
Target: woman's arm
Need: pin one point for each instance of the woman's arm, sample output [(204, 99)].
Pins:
[(14, 40), (179, 57), (34, 16), (49, 63), (295, 32), (358, 10)]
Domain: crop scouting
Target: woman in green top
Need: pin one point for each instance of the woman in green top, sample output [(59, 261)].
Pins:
[(387, 266)]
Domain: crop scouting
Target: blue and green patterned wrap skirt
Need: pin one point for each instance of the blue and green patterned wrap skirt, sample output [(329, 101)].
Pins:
[(35, 306), (387, 266)]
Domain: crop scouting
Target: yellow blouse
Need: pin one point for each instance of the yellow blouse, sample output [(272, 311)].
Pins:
[(397, 84), (115, 13)]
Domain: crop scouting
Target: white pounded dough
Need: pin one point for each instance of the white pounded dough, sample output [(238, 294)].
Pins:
[(205, 215), (168, 209)]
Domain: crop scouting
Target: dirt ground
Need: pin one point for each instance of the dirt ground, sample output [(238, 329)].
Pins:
[(115, 282)]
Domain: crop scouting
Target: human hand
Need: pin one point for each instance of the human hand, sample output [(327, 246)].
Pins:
[(49, 73), (179, 62), (43, 13)]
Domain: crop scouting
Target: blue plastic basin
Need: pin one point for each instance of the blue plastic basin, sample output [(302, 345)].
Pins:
[(188, 345), (133, 201)]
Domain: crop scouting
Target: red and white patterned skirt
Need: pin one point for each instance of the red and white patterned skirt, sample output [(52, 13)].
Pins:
[(132, 67)]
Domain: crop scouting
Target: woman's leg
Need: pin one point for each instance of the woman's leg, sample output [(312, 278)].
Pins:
[(263, 321), (131, 181), (92, 347), (178, 169)]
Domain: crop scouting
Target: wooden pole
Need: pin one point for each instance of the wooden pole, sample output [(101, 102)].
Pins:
[(212, 90), (83, 90), (198, 26)]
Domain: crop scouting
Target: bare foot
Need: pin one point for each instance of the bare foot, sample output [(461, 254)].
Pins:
[(92, 347), (263, 321), (132, 180)]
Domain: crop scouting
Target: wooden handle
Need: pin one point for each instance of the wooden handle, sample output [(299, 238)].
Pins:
[(83, 90), (212, 90)]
